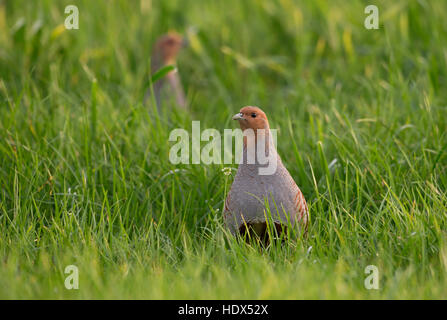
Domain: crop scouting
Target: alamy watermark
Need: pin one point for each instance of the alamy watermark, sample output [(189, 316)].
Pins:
[(72, 280), (251, 147), (372, 20), (372, 280), (72, 20)]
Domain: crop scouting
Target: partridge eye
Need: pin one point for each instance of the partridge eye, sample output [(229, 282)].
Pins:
[(253, 115)]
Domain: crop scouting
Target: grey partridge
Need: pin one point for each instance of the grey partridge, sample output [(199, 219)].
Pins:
[(165, 53), (251, 192)]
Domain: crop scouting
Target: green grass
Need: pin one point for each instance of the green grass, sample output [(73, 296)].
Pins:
[(85, 177)]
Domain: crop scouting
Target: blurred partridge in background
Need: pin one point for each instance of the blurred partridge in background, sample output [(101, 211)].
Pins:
[(245, 205), (165, 53)]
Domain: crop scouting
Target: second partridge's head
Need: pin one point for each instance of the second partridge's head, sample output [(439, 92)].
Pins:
[(168, 46), (251, 118)]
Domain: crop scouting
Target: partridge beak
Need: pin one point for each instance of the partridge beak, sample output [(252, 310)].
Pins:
[(238, 116)]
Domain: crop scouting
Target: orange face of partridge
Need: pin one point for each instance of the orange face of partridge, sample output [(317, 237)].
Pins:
[(168, 46), (252, 118)]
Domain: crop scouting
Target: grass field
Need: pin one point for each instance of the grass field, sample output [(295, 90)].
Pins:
[(85, 177)]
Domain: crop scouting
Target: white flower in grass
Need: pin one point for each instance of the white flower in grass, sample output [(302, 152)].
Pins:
[(226, 171)]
